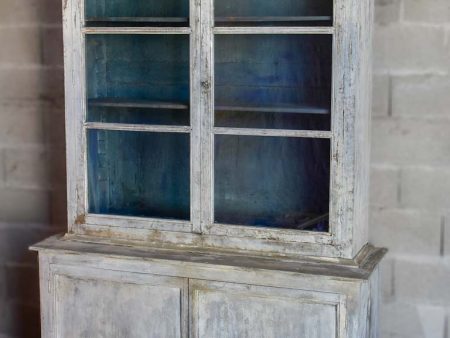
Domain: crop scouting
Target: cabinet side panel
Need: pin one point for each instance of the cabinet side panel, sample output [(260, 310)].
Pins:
[(351, 122), (46, 296), (362, 127), (373, 317), (74, 105)]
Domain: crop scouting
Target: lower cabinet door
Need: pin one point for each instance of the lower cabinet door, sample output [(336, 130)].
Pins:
[(94, 303), (224, 310)]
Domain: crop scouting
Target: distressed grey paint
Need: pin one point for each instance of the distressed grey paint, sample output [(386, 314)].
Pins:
[(102, 308), (349, 135), (175, 284), (316, 284), (239, 311)]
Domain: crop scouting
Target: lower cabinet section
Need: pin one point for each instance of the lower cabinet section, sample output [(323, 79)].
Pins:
[(96, 293)]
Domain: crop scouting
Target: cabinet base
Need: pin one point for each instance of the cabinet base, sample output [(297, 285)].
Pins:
[(101, 290)]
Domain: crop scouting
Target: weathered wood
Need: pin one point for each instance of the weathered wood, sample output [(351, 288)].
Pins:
[(351, 118), (349, 133), (238, 287), (194, 258), (82, 301), (127, 276), (136, 30), (281, 110), (75, 96), (103, 306), (136, 127), (121, 103), (274, 30), (130, 19), (265, 19), (138, 222), (273, 132), (234, 310), (196, 115), (207, 109)]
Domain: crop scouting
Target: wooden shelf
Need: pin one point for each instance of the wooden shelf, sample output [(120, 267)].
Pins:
[(120, 103), (279, 109), (264, 19), (147, 22), (227, 21), (138, 19)]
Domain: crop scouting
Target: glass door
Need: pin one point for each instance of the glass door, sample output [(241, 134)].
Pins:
[(209, 114), (138, 108), (272, 105)]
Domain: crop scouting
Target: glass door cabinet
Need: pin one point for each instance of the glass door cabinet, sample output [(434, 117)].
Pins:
[(227, 124)]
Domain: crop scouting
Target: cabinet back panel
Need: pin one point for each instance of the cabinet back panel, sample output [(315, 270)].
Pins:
[(136, 8), (290, 72), (139, 174), (272, 181), (290, 9), (143, 68), (132, 115)]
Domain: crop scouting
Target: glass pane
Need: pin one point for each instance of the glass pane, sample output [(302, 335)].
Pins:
[(139, 174), (274, 13), (140, 79), (134, 13), (272, 182), (273, 81)]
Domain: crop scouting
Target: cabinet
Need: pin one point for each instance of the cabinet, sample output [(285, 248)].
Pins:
[(222, 130), (99, 290)]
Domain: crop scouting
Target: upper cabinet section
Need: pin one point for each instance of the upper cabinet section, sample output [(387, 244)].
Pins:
[(221, 124), (137, 13), (273, 13)]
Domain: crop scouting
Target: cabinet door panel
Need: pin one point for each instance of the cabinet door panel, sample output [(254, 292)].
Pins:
[(241, 311), (91, 307)]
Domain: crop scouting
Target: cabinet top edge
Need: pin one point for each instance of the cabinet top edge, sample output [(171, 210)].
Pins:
[(359, 268)]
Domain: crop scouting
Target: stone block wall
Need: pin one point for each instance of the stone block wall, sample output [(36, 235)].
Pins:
[(410, 196), (32, 159)]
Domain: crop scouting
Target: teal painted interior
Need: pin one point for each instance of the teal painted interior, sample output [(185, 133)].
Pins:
[(139, 116), (274, 13), (139, 174), (273, 82), (102, 10), (273, 71), (261, 81), (272, 181), (138, 69)]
